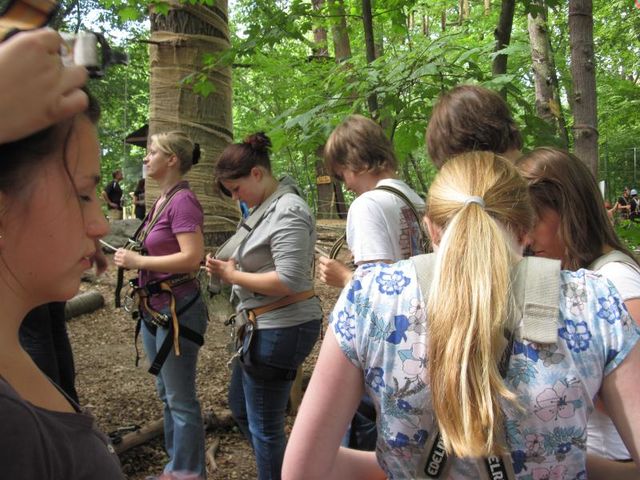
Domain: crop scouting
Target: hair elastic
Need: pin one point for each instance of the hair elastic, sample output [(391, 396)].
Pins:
[(474, 199)]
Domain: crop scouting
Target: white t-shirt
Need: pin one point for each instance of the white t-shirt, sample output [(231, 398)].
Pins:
[(603, 437), (380, 226)]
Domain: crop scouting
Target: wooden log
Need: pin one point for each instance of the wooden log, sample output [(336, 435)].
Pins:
[(82, 303), (155, 428)]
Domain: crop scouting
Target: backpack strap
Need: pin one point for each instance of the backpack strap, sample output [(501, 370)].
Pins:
[(426, 244), (535, 284), (613, 256)]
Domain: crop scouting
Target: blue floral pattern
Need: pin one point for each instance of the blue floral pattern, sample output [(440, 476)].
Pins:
[(381, 326)]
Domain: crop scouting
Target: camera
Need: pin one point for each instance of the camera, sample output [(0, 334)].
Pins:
[(90, 50)]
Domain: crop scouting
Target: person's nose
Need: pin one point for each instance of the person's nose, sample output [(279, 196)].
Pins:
[(97, 226)]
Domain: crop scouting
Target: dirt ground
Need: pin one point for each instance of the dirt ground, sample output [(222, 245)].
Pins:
[(121, 395)]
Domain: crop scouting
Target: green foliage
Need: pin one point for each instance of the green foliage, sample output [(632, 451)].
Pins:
[(629, 232)]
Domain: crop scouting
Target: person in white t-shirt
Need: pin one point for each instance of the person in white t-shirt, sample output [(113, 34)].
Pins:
[(381, 226), (573, 226)]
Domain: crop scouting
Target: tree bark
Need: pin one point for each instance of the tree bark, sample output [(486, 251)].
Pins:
[(321, 49), (548, 105), (178, 41), (583, 73), (487, 7), (339, 31), (367, 20), (503, 37)]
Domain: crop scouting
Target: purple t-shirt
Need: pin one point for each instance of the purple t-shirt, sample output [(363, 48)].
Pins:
[(182, 215)]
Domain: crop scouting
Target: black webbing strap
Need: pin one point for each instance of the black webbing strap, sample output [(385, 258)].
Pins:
[(165, 348)]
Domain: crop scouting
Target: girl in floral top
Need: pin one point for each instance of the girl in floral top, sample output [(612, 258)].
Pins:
[(433, 363)]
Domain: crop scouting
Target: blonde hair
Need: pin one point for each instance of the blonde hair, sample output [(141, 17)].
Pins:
[(359, 144), (178, 144), (469, 301)]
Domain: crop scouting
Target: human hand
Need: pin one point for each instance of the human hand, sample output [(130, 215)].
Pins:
[(222, 269), (334, 272), (127, 259), (36, 90)]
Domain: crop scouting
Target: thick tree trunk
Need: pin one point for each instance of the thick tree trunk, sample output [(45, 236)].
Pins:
[(179, 40), (321, 49), (367, 20), (503, 37), (583, 72), (548, 104), (339, 30)]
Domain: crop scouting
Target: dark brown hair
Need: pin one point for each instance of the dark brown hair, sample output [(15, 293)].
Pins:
[(237, 160), (562, 182), (359, 144), (19, 159), (469, 118)]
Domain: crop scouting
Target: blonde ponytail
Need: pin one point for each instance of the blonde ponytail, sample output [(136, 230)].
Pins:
[(469, 300)]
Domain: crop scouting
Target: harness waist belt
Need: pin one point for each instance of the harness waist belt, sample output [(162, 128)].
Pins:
[(283, 302)]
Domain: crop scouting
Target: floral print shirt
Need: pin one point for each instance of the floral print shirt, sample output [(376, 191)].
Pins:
[(379, 322)]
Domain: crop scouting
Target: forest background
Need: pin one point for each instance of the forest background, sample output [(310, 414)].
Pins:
[(296, 68)]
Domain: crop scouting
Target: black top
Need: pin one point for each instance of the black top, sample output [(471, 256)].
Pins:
[(114, 193)]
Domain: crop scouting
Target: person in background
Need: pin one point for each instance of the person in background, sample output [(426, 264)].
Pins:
[(431, 361), (623, 205), (36, 90), (572, 225), (381, 225), (270, 270), (112, 196), (140, 209), (471, 118), (634, 203), (172, 247), (47, 194)]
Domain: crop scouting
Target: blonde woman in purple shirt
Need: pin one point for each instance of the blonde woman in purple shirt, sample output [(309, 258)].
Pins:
[(172, 248)]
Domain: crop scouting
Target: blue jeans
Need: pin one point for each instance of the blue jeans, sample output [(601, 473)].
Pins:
[(259, 405), (176, 384)]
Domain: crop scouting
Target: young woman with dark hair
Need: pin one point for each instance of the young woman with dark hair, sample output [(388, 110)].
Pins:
[(471, 118), (572, 225), (47, 196), (269, 265)]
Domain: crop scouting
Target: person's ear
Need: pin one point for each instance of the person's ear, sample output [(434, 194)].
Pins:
[(435, 232), (173, 160), (257, 173)]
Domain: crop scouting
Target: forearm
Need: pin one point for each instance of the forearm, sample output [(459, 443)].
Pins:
[(180, 262), (599, 468), (267, 283)]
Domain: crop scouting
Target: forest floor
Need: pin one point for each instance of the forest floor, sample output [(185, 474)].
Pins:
[(120, 395)]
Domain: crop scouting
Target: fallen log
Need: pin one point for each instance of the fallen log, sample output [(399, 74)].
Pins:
[(82, 303), (125, 441)]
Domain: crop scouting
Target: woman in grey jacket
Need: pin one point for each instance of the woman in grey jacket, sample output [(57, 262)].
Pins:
[(269, 265)]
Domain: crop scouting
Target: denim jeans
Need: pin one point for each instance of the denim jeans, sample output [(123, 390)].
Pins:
[(362, 432), (259, 406), (176, 384)]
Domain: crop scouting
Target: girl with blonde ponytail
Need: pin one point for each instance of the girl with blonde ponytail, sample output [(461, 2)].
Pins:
[(480, 207)]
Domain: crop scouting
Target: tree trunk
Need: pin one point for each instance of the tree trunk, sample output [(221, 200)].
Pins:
[(503, 37), (339, 30), (548, 105), (583, 73), (425, 25), (179, 40), (321, 49), (367, 20), (487, 7), (443, 20)]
